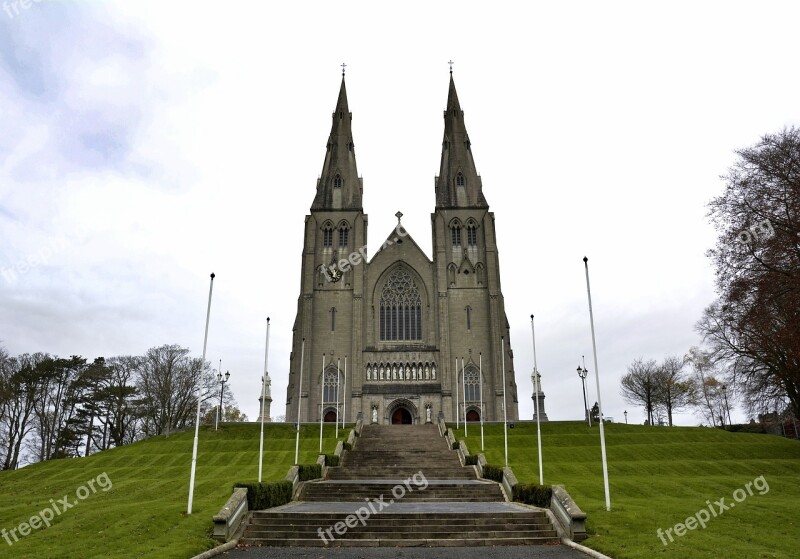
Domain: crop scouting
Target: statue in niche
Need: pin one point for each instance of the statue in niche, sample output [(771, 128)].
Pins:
[(433, 372), (381, 372), (427, 372), (428, 414), (413, 372), (374, 413)]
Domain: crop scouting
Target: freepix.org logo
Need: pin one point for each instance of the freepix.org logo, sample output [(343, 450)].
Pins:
[(334, 271), (713, 510), (44, 517), (374, 506)]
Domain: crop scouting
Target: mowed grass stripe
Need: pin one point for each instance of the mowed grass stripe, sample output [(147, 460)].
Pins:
[(658, 477), (144, 513)]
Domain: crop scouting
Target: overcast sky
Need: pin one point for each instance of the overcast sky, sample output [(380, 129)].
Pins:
[(144, 145)]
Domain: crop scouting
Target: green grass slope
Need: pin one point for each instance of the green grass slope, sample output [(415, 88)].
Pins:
[(658, 478), (143, 514)]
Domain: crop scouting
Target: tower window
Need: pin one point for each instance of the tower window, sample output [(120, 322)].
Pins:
[(327, 236), (459, 180), (455, 233), (343, 235), (472, 235), (337, 182), (333, 319), (400, 309), (469, 317)]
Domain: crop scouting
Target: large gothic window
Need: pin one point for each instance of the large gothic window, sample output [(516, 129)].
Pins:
[(327, 236), (330, 387), (472, 386), (401, 308)]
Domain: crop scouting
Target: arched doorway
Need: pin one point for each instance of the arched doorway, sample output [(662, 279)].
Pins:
[(330, 416), (401, 416), (473, 415)]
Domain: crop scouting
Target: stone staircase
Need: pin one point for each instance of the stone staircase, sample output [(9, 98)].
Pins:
[(400, 486)]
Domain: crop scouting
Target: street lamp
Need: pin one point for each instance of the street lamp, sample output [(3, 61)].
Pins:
[(582, 372), (626, 416), (222, 380)]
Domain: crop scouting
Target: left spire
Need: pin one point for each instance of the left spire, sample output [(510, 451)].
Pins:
[(339, 187)]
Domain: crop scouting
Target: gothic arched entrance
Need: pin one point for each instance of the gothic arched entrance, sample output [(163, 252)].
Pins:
[(402, 416), (473, 415), (330, 416)]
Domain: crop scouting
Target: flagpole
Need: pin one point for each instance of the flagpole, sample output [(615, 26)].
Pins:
[(344, 395), (536, 390), (337, 399), (197, 421), (457, 401), (263, 397), (597, 380), (321, 401), (216, 415), (464, 380), (505, 415), (480, 384), (299, 400)]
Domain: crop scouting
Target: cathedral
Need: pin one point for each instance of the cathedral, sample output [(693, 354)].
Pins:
[(401, 338)]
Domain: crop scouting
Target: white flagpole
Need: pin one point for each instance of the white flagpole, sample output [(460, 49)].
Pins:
[(216, 415), (337, 399), (197, 421), (464, 380), (321, 401), (457, 402), (263, 397), (299, 399), (536, 391), (344, 395), (505, 415), (480, 384), (597, 380)]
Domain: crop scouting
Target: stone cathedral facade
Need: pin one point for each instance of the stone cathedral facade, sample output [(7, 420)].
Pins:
[(401, 321)]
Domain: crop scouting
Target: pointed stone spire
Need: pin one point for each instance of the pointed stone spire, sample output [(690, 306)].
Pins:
[(458, 184), (339, 187)]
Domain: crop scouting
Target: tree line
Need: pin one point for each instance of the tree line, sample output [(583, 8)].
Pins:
[(53, 407), (751, 332)]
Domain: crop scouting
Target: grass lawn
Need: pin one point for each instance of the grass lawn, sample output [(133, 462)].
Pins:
[(143, 514), (659, 477)]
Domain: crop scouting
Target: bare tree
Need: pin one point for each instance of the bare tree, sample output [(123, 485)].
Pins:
[(640, 387), (675, 391), (754, 325), (19, 392)]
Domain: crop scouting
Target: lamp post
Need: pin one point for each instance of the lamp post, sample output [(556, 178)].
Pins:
[(582, 372), (222, 380), (626, 416)]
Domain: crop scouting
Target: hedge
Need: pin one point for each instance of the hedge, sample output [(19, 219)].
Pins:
[(266, 495), (471, 460), (309, 471), (494, 473), (532, 494)]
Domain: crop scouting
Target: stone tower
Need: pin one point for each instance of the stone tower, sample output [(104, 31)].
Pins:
[(399, 326)]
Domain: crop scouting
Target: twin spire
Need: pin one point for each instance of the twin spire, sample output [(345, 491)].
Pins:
[(457, 185)]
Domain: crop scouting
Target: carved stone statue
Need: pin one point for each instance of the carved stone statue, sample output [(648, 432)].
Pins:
[(428, 415), (374, 414)]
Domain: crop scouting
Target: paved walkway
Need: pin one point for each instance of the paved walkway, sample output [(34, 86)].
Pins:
[(498, 552)]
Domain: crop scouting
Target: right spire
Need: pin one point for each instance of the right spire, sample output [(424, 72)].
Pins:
[(458, 184)]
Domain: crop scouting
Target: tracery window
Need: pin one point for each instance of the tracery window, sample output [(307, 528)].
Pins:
[(400, 308), (472, 386)]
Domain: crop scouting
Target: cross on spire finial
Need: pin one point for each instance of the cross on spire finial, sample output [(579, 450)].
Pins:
[(450, 62), (398, 215), (343, 65)]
